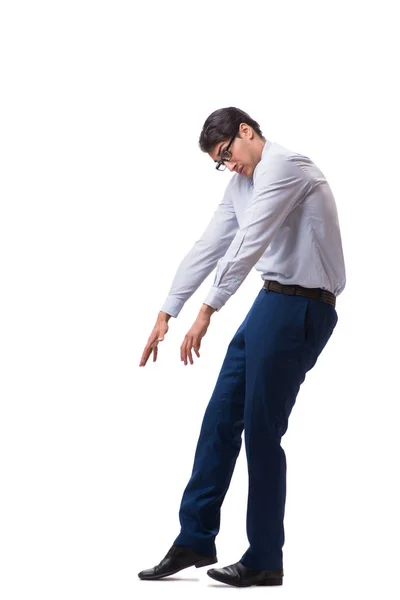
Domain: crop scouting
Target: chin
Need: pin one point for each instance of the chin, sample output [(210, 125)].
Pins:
[(247, 173)]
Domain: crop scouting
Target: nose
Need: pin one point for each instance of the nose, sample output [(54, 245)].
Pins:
[(231, 165)]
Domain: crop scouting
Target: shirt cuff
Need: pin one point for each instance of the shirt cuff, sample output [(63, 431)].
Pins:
[(217, 298), (172, 306)]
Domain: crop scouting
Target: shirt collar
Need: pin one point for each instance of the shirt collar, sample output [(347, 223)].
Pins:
[(267, 145)]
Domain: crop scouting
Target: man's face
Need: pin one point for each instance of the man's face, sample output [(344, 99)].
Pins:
[(245, 152)]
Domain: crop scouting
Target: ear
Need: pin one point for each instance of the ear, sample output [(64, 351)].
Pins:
[(246, 131)]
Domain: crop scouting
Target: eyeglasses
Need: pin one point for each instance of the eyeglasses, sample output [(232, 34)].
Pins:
[(225, 156)]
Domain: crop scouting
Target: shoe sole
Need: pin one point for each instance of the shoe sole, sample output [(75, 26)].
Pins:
[(270, 581), (200, 563)]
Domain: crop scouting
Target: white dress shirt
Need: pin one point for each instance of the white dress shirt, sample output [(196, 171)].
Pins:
[(284, 222)]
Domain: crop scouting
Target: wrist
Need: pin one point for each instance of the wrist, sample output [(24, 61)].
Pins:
[(207, 310), (163, 316)]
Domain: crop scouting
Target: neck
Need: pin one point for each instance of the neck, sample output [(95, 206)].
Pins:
[(260, 146)]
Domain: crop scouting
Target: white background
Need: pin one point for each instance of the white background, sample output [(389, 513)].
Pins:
[(103, 191)]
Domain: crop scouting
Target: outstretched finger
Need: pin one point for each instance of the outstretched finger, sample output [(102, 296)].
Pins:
[(146, 353), (189, 351), (183, 350), (145, 356), (196, 348)]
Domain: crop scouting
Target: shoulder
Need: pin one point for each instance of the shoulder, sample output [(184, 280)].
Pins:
[(278, 163)]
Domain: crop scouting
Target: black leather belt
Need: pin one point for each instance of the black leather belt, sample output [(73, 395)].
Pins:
[(298, 290)]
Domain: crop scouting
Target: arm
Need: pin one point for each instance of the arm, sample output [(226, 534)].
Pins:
[(278, 188), (194, 268), (203, 257)]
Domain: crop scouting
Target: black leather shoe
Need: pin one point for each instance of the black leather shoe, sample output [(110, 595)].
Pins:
[(242, 576), (176, 559)]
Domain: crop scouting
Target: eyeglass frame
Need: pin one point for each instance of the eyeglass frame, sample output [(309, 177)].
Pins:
[(224, 160)]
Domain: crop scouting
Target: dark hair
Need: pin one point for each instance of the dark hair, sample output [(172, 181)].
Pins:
[(223, 124)]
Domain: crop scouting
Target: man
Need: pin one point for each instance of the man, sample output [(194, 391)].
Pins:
[(279, 215)]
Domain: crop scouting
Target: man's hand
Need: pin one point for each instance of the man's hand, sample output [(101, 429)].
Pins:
[(195, 334), (156, 336)]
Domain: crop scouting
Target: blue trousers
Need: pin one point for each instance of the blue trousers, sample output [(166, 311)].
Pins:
[(265, 364)]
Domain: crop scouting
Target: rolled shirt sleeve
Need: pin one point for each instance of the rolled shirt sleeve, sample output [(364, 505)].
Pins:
[(201, 260), (279, 186)]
